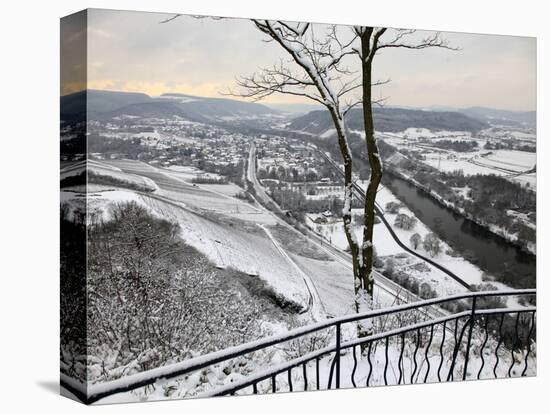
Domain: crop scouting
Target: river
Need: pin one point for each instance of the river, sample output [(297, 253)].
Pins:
[(502, 260)]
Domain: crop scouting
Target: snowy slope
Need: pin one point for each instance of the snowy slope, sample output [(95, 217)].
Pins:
[(242, 247)]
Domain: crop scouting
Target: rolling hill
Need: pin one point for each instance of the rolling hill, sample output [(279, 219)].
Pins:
[(496, 116), (390, 120)]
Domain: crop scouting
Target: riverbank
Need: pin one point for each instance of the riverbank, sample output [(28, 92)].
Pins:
[(499, 259), (529, 248)]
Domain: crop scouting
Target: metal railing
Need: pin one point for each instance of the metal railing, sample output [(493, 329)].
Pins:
[(502, 335)]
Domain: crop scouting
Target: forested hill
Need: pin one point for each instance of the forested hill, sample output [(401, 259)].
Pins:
[(391, 120), (105, 105)]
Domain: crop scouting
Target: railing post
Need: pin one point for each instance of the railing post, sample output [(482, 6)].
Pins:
[(468, 344), (338, 343)]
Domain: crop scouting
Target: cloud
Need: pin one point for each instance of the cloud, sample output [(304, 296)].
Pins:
[(135, 51), (157, 88)]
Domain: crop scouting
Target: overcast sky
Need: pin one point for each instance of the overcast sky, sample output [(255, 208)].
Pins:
[(132, 51)]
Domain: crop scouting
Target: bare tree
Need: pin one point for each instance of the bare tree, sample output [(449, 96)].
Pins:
[(415, 240), (405, 222), (432, 244), (323, 77), (372, 40), (316, 71)]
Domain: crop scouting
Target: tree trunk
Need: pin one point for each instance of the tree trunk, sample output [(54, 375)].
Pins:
[(338, 122), (374, 161)]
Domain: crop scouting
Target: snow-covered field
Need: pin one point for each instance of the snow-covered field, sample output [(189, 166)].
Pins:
[(102, 169), (415, 133), (498, 162), (188, 172), (224, 239), (442, 163), (334, 283), (244, 247), (240, 246), (515, 160), (231, 233), (505, 163), (458, 265), (175, 184)]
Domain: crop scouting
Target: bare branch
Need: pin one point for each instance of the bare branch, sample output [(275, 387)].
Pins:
[(320, 59), (350, 106), (400, 41), (174, 17)]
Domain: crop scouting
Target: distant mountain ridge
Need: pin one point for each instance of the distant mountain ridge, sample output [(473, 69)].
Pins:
[(528, 118), (390, 120), (104, 105)]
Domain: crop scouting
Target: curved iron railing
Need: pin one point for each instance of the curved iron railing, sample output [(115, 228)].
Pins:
[(510, 330)]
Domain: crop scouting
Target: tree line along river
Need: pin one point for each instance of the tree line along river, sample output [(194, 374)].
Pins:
[(502, 260)]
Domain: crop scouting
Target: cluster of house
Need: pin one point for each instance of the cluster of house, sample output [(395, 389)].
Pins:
[(184, 140), (286, 159), (224, 150)]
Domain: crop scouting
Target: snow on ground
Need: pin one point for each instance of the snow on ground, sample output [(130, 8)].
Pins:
[(402, 362), (469, 272), (328, 133), (108, 170), (199, 197), (386, 246), (228, 189), (519, 160), (135, 167), (226, 240), (499, 162), (415, 133), (463, 192), (524, 135), (97, 202), (440, 162), (213, 224), (527, 179), (188, 172), (71, 170), (176, 185), (206, 197), (505, 163), (235, 245), (334, 283), (74, 202), (242, 245)]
